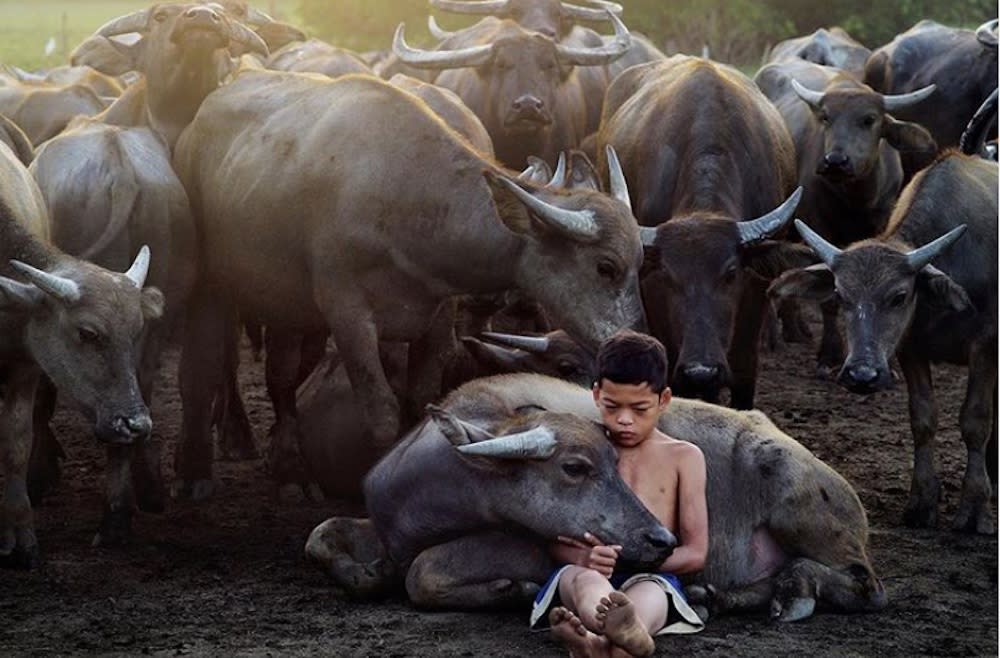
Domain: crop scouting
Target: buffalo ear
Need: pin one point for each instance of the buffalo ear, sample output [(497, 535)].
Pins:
[(770, 258), (152, 303), (457, 432), (512, 212), (814, 282), (109, 56), (940, 290), (907, 137), (17, 296)]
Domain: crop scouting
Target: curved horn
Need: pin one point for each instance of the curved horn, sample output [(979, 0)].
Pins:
[(987, 33), (602, 55), (537, 443), (579, 223), (137, 21), (755, 230), (647, 234), (559, 176), (813, 98), (533, 344), (240, 33), (436, 30), (62, 288), (257, 18), (140, 267), (971, 142), (619, 188), (591, 13), (826, 251), (897, 102), (537, 172), (438, 59), (495, 7), (918, 258)]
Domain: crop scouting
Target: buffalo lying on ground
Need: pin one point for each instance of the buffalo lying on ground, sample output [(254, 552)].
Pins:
[(785, 529), (932, 303)]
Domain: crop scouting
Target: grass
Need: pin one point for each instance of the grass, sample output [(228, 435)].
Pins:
[(29, 24)]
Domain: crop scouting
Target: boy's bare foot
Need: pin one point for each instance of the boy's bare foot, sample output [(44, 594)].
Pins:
[(574, 635), (616, 617)]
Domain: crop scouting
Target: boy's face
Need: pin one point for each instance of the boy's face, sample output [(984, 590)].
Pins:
[(629, 411)]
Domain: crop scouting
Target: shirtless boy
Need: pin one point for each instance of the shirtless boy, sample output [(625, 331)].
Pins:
[(595, 618)]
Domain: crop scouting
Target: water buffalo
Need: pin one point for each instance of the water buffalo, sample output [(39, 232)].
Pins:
[(702, 150), (848, 147), (926, 304), (450, 108), (962, 64), (16, 141), (359, 262), (77, 323), (551, 18), (43, 110), (524, 87), (785, 528), (315, 56), (833, 47)]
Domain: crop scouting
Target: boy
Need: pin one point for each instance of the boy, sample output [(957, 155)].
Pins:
[(596, 618)]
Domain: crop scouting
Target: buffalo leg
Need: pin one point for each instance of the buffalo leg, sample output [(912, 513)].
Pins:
[(976, 420), (925, 488), (425, 361), (44, 469), (794, 328), (745, 348), (831, 346), (282, 375), (18, 545), (488, 570), (313, 351), (352, 323), (229, 414), (116, 525), (146, 471), (349, 551), (210, 323)]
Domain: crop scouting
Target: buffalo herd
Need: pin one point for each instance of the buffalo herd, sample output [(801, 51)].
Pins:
[(431, 243)]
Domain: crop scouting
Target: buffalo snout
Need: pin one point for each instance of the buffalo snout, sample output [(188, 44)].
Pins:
[(649, 549), (864, 378), (835, 163), (205, 15), (528, 109), (126, 429)]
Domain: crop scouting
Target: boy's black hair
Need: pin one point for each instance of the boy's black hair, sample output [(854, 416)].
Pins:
[(629, 357)]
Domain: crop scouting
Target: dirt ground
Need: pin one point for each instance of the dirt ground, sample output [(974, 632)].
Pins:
[(228, 576)]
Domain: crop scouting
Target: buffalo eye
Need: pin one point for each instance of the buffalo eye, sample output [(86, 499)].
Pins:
[(898, 299), (566, 369), (160, 16), (868, 121), (88, 335), (607, 270), (576, 470), (824, 118), (730, 274)]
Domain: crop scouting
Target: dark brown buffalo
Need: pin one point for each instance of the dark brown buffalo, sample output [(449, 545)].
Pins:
[(848, 147), (962, 64), (703, 150), (833, 47), (912, 294), (525, 88)]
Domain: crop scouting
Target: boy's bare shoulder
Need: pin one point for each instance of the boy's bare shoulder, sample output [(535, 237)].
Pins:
[(678, 449)]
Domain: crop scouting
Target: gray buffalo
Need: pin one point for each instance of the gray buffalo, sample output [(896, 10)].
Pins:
[(833, 47), (913, 295), (359, 258), (77, 323), (785, 529)]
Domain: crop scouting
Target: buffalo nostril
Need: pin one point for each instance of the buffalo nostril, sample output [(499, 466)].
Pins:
[(835, 159), (862, 374), (661, 539), (701, 374), (140, 425)]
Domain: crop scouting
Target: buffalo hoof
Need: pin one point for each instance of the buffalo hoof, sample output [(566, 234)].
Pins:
[(794, 609), (194, 490), (19, 550), (973, 518), (115, 530), (284, 460), (921, 508)]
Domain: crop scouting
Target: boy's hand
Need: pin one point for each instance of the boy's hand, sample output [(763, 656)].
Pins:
[(594, 554)]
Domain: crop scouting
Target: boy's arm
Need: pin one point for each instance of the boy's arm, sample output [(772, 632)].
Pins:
[(590, 553), (692, 523)]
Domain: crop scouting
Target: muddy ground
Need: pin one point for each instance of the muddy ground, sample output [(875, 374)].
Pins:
[(228, 576)]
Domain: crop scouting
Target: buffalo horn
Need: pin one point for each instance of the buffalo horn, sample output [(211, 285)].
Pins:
[(240, 33), (579, 223), (140, 267), (533, 344), (590, 13), (813, 98), (755, 230), (135, 22), (826, 251), (495, 7), (63, 289), (920, 257), (436, 30), (647, 234), (987, 33), (537, 171), (536, 443), (602, 55), (897, 102), (257, 18), (559, 177), (439, 59), (619, 188)]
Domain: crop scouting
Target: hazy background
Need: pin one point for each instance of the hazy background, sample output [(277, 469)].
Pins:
[(736, 31)]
